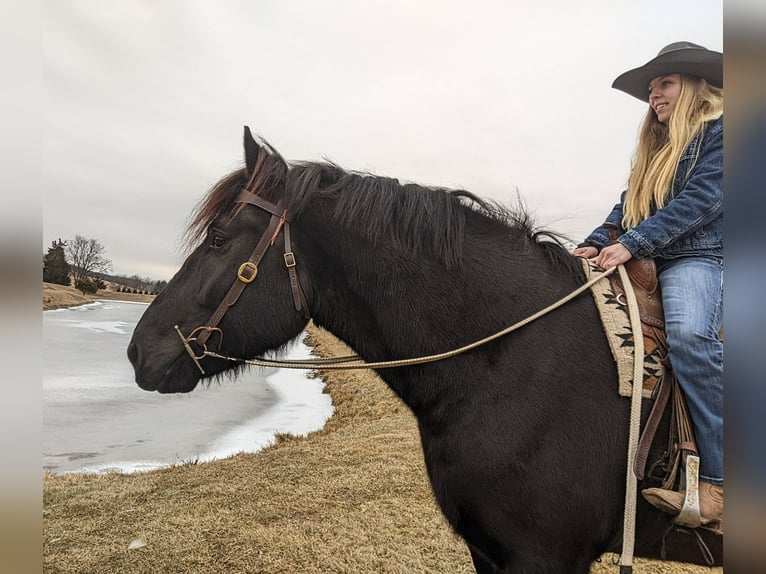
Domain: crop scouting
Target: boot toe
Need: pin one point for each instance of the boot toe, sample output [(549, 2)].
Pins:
[(668, 501)]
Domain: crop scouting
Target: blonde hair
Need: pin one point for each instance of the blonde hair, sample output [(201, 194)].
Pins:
[(660, 147)]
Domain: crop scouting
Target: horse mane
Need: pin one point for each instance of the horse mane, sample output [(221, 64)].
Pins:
[(424, 219)]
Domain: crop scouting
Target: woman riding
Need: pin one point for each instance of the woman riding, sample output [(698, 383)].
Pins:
[(672, 211)]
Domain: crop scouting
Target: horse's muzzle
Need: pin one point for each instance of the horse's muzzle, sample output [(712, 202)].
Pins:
[(180, 376)]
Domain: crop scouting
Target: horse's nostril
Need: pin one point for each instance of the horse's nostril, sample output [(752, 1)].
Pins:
[(133, 353)]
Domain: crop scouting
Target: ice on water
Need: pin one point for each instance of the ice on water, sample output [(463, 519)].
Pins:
[(95, 417)]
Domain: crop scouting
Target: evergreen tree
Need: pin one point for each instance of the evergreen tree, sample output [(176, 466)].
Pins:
[(55, 266), (158, 286)]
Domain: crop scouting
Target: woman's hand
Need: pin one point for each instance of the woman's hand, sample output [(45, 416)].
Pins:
[(612, 256), (588, 252)]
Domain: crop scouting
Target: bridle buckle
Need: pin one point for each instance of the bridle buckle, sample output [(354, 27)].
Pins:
[(243, 268)]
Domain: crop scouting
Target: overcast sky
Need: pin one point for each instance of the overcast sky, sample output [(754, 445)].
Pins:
[(146, 100)]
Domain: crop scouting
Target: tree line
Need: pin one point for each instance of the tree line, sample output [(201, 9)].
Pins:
[(83, 261)]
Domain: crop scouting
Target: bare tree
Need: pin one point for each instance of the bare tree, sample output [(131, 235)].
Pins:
[(86, 256)]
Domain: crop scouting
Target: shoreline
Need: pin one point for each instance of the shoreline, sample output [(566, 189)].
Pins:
[(63, 297)]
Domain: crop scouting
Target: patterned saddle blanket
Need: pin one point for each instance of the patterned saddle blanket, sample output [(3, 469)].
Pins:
[(613, 310)]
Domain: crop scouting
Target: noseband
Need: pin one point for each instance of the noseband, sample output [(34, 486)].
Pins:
[(246, 274)]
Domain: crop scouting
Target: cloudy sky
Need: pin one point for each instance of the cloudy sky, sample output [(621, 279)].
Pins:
[(145, 102)]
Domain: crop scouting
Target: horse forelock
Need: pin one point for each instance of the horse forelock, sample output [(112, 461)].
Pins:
[(267, 177)]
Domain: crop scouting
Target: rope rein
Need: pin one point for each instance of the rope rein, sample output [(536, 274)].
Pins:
[(355, 362), (631, 482)]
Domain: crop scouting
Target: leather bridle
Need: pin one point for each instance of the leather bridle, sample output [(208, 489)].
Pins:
[(246, 274)]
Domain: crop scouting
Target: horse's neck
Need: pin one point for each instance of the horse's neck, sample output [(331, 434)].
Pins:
[(389, 304)]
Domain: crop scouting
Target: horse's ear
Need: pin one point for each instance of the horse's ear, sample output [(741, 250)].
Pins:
[(251, 151)]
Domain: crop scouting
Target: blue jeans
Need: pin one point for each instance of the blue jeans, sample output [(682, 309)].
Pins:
[(692, 298)]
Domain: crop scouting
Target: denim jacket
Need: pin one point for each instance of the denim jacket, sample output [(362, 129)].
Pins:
[(691, 222)]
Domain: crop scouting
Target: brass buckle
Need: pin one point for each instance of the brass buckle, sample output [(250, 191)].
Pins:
[(247, 265), (289, 259)]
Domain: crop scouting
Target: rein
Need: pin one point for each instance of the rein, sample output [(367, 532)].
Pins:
[(354, 361)]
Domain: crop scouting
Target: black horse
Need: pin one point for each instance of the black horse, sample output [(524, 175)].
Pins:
[(524, 438)]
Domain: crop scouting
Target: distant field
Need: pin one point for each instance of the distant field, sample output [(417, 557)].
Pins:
[(60, 296)]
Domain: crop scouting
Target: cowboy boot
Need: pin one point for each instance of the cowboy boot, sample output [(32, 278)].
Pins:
[(711, 504), (671, 501)]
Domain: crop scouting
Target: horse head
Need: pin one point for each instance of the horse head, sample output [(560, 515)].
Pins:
[(235, 293)]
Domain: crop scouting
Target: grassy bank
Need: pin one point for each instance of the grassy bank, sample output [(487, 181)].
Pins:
[(61, 296), (351, 498)]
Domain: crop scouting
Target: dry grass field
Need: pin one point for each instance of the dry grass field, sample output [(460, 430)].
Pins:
[(350, 498), (60, 296)]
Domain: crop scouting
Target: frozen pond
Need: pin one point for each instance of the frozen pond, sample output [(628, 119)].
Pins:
[(95, 417)]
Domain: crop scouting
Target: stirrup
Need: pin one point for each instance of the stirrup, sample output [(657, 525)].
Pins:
[(690, 512)]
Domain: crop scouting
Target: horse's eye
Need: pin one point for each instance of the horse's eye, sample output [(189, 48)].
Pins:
[(217, 240)]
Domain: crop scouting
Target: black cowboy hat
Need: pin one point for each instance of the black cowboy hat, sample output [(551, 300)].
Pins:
[(676, 58)]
